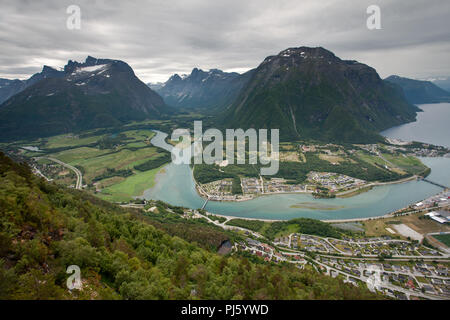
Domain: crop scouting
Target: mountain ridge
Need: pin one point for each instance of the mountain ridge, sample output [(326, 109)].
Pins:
[(213, 89), (9, 88), (310, 93), (92, 94), (420, 91)]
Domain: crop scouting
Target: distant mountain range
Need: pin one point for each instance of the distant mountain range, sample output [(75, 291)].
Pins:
[(213, 89), (8, 88), (311, 93), (441, 82), (305, 92), (96, 93), (418, 91)]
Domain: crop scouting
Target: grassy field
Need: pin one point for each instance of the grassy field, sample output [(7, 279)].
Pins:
[(95, 161), (130, 187), (374, 160), (331, 158), (406, 163), (377, 227), (398, 163), (443, 238), (120, 152), (69, 141), (74, 155), (124, 159)]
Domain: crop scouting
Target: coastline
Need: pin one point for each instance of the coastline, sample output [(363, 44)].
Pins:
[(386, 216), (204, 195)]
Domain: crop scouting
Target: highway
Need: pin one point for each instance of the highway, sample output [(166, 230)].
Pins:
[(79, 183)]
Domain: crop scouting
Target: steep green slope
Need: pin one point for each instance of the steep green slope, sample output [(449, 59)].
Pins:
[(93, 94), (44, 228), (310, 93)]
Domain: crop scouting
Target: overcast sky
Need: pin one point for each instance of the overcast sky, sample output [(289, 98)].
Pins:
[(161, 37)]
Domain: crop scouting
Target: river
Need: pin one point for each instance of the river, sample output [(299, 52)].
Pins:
[(175, 184)]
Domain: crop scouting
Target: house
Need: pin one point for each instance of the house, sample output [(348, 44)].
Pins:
[(442, 272), (410, 284), (428, 288)]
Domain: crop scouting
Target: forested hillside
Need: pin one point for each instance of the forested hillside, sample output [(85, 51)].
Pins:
[(310, 93), (44, 228)]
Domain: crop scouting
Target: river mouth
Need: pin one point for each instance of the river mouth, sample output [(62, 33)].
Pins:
[(176, 186)]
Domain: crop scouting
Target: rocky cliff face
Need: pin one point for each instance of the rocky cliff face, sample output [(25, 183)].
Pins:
[(213, 89)]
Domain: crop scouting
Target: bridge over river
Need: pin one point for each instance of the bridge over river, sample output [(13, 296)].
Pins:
[(434, 183)]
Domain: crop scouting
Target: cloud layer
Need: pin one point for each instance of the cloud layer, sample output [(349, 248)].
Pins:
[(161, 37)]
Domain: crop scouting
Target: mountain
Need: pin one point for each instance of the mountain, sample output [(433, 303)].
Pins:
[(8, 88), (96, 93), (155, 86), (311, 93), (418, 91), (211, 89), (442, 82)]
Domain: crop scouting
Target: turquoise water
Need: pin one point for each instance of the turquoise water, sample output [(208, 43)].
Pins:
[(176, 186)]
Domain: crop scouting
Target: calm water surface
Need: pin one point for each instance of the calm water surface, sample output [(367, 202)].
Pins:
[(175, 183)]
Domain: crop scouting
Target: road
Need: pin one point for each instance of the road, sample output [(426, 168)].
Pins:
[(361, 277), (374, 184), (383, 284), (227, 227), (79, 183), (41, 174)]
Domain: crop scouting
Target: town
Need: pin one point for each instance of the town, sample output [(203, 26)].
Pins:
[(329, 170), (398, 266)]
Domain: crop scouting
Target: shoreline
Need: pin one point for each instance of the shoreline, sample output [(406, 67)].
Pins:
[(386, 216), (205, 196)]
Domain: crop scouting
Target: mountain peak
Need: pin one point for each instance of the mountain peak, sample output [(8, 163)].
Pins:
[(305, 52), (46, 68), (309, 92), (203, 89), (91, 94), (174, 78), (91, 60)]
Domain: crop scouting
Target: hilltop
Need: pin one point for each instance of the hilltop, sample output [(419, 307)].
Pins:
[(311, 93)]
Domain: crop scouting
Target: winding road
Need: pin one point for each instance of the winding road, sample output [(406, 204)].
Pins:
[(79, 183)]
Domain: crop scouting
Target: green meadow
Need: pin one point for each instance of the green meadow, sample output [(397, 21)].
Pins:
[(133, 186)]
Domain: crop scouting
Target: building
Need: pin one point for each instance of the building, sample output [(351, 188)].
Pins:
[(441, 216)]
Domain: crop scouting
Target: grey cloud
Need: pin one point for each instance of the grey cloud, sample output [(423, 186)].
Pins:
[(159, 38)]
